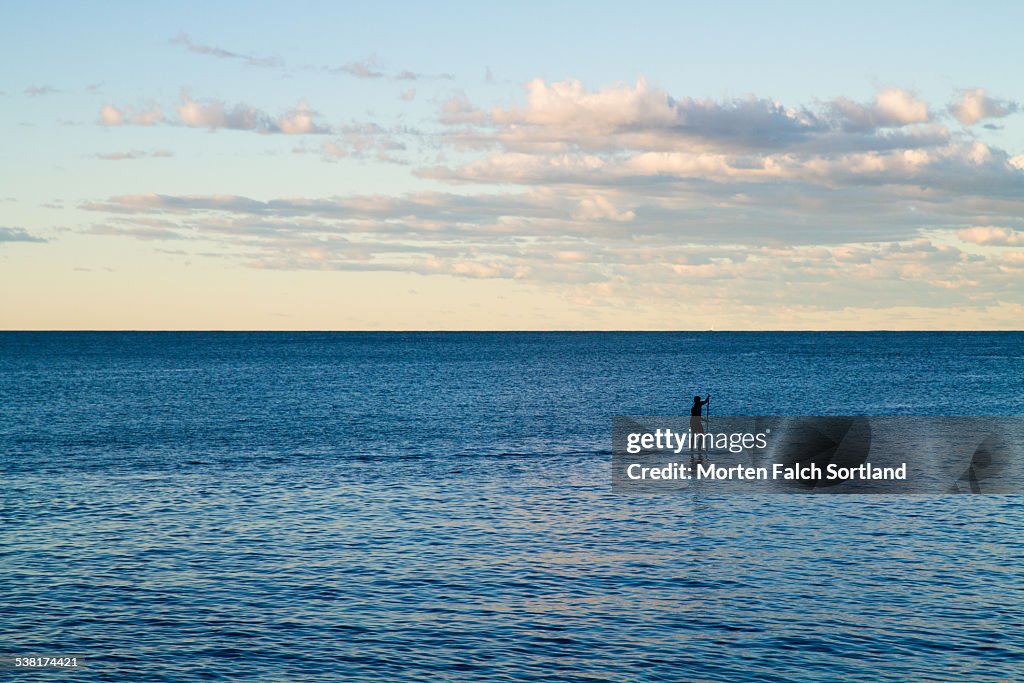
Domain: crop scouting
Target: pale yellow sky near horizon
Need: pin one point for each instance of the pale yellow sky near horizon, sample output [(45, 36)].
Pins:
[(211, 295), (208, 176)]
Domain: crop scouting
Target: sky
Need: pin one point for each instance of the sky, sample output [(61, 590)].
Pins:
[(463, 166)]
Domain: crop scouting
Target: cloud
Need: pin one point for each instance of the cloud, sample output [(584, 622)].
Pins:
[(366, 68), (477, 237), (475, 269), (373, 68), (17, 235), (567, 117), (609, 109), (111, 116), (959, 170), (428, 206), (406, 75), (992, 236), (301, 121), (366, 141), (215, 114), (598, 207), (458, 109), (183, 39), (976, 105), (136, 231), (567, 114), (40, 90), (646, 143), (331, 149), (135, 154), (114, 116), (628, 196), (892, 108)]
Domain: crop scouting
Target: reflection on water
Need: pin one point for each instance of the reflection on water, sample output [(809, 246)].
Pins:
[(323, 508), (476, 569)]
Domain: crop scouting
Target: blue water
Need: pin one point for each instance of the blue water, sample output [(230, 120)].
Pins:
[(437, 507)]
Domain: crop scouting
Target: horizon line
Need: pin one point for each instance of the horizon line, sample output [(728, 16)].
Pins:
[(505, 331)]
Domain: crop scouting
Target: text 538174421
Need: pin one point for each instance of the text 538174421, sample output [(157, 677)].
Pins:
[(41, 662)]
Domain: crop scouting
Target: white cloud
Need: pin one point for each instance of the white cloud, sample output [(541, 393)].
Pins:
[(892, 107), (114, 116), (598, 207), (570, 103), (111, 116), (975, 105), (300, 121), (628, 193), (475, 237), (215, 114), (645, 142), (988, 235), (566, 116)]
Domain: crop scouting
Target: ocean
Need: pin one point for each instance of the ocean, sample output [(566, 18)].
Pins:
[(438, 507)]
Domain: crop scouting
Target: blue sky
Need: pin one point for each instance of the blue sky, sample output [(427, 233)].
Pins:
[(524, 166)]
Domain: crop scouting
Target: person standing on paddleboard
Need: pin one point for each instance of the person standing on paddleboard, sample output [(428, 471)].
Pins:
[(696, 425)]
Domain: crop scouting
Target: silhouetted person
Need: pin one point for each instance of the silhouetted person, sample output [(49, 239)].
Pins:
[(696, 425)]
